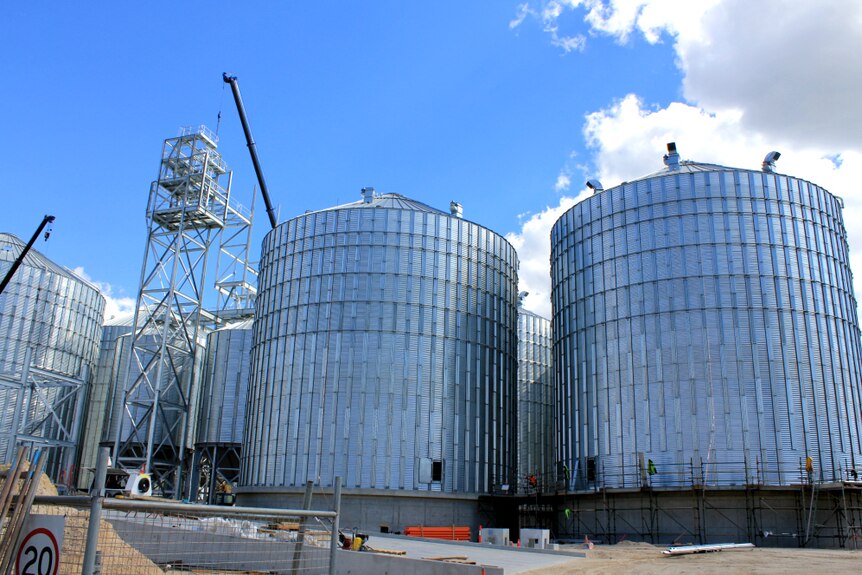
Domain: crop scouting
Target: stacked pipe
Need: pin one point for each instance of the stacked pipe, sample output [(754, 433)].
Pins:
[(450, 533)]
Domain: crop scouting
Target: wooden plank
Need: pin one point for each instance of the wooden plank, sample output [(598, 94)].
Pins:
[(22, 510), (386, 551), (12, 476)]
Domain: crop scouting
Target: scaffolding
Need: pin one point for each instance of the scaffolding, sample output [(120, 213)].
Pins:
[(216, 472), (47, 414), (236, 275), (189, 216), (698, 504)]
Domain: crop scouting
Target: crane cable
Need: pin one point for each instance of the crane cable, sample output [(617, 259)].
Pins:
[(221, 102)]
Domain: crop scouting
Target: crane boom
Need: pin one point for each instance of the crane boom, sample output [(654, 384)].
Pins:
[(45, 221), (251, 146)]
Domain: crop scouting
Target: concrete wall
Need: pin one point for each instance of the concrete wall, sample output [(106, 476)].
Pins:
[(767, 517), (370, 509)]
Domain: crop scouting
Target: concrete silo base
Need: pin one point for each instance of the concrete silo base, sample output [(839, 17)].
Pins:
[(824, 515), (376, 509)]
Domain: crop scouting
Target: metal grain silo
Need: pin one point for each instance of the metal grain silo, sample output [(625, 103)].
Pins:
[(705, 321), (223, 396), (535, 403), (101, 396), (384, 352), (50, 324)]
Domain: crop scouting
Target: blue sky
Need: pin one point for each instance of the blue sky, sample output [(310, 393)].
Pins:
[(504, 106)]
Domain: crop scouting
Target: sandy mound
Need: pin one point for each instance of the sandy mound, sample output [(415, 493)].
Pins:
[(118, 558), (45, 485)]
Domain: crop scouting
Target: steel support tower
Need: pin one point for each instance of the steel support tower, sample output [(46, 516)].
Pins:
[(236, 276), (189, 216), (47, 413)]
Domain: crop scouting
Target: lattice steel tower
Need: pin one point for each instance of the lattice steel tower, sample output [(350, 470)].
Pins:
[(189, 216)]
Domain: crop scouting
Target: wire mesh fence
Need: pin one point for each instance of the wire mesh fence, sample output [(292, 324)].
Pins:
[(91, 535), (76, 521), (152, 538)]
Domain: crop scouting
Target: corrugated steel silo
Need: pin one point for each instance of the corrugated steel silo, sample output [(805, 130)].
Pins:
[(224, 387), (58, 316), (221, 412), (704, 320), (536, 471), (100, 399), (384, 351)]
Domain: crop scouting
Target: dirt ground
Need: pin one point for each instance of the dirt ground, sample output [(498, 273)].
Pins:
[(645, 559)]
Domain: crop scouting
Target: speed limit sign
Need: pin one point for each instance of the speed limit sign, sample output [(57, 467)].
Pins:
[(41, 541)]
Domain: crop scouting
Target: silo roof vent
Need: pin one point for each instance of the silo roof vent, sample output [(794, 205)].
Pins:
[(595, 186), (769, 161), (671, 159), (367, 195), (521, 297), (456, 209)]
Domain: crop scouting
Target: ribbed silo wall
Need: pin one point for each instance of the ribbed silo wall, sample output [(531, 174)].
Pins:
[(100, 399), (706, 320), (57, 315), (535, 404), (384, 350), (224, 388)]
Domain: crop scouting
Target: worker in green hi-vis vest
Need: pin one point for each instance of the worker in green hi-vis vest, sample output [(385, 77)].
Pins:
[(650, 468)]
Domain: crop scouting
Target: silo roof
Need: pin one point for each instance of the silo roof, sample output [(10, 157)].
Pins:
[(686, 167), (125, 319), (11, 246), (389, 201), (525, 311), (238, 325)]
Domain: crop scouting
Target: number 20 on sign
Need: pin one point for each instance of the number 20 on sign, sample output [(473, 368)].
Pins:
[(39, 550)]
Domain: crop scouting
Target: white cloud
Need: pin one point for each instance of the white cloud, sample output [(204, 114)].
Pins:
[(523, 12), (115, 305), (758, 76), (563, 182), (569, 43), (549, 13), (533, 245), (619, 18), (628, 139), (786, 66)]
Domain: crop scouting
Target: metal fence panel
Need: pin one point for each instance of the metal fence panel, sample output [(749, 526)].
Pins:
[(152, 538)]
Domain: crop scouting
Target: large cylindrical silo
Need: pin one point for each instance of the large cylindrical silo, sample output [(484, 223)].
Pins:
[(384, 353), (100, 399), (221, 412), (224, 386), (57, 316), (536, 463), (706, 331)]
